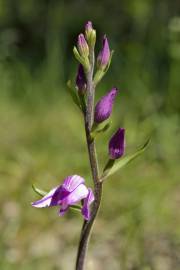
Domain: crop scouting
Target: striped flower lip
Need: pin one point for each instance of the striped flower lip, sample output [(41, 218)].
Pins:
[(71, 192)]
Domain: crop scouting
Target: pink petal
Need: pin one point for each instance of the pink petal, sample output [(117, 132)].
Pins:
[(72, 182), (46, 200), (77, 195)]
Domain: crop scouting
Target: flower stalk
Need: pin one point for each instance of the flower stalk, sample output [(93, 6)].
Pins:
[(73, 193), (88, 121)]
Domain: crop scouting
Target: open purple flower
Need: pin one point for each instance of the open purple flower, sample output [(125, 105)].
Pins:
[(104, 55), (117, 144), (104, 106), (81, 79), (72, 191)]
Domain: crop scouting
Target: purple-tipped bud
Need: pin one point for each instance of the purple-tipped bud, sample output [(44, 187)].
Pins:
[(117, 144), (88, 26), (90, 34), (104, 55), (82, 46), (81, 79), (104, 106)]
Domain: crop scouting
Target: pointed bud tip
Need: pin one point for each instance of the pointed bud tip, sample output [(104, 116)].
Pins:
[(88, 26)]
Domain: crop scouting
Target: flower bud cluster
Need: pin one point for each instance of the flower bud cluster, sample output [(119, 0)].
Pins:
[(73, 190), (104, 106)]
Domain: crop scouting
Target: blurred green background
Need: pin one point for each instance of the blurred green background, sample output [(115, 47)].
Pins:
[(42, 137)]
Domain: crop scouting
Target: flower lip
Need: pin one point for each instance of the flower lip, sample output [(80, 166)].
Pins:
[(46, 200), (117, 144)]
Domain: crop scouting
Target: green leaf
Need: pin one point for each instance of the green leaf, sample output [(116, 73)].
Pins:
[(76, 207), (78, 56), (73, 94), (109, 170), (99, 128), (40, 192), (82, 101)]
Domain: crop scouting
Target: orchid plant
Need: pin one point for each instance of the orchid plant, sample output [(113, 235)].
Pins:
[(73, 193)]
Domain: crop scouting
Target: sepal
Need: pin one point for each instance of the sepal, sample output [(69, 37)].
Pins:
[(98, 128), (92, 38), (83, 60)]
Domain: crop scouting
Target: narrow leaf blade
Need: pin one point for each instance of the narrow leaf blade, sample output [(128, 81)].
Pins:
[(40, 192), (75, 207), (99, 128), (73, 94)]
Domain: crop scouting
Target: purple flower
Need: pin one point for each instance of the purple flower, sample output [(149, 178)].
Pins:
[(117, 144), (82, 46), (104, 55), (72, 191), (104, 106), (81, 79)]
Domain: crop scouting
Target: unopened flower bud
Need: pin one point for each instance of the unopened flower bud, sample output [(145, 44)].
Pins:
[(90, 34), (104, 106), (104, 55), (83, 46), (88, 28), (81, 79), (117, 144)]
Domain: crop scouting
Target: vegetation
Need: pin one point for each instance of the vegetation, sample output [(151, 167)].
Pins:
[(39, 142)]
